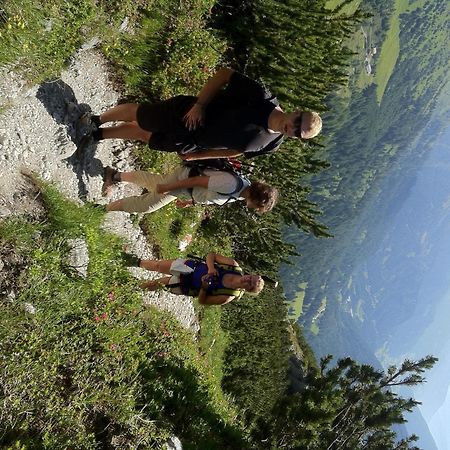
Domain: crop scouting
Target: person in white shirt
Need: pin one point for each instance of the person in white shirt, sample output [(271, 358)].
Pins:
[(211, 187)]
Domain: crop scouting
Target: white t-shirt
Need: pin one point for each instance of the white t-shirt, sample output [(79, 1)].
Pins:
[(220, 185)]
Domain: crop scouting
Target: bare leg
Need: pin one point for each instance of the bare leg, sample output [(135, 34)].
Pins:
[(130, 130), (154, 285), (123, 113), (155, 265), (132, 177), (112, 177), (149, 202)]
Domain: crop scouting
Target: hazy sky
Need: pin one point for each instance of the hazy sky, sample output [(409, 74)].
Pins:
[(440, 421), (431, 195), (439, 425)]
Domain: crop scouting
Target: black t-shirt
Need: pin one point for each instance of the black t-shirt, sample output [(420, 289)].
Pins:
[(237, 119)]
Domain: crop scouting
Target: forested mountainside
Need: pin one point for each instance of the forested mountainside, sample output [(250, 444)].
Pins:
[(368, 137)]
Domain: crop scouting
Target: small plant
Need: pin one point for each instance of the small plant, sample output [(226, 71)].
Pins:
[(172, 52)]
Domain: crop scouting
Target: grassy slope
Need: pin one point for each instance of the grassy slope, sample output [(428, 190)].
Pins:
[(348, 9), (91, 353), (356, 45), (175, 49), (295, 307), (390, 50)]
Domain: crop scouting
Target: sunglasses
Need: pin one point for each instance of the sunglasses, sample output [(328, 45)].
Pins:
[(298, 125)]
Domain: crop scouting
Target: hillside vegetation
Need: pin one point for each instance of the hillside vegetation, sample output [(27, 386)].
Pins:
[(91, 367), (366, 141)]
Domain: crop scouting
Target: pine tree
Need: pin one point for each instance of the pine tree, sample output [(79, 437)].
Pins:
[(349, 406)]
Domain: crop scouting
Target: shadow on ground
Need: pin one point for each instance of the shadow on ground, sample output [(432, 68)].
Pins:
[(60, 102)]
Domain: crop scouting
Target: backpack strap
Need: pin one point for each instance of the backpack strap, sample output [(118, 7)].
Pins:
[(235, 270), (238, 293), (270, 147)]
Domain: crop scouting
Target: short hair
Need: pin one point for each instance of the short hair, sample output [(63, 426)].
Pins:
[(313, 122), (263, 195), (258, 286)]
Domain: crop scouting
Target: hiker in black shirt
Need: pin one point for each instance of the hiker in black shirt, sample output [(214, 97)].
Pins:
[(244, 118)]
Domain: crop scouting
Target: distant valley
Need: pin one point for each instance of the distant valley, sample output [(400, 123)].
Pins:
[(376, 290)]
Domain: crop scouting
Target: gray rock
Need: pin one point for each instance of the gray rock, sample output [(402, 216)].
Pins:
[(4, 212), (48, 25), (124, 24), (173, 443), (78, 256), (91, 44), (29, 308)]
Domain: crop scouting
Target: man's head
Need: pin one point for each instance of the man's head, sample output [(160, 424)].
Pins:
[(261, 196), (302, 124)]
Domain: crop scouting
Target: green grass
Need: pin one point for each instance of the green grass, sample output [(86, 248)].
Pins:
[(172, 52), (169, 50), (92, 365), (35, 33), (347, 9), (167, 227), (358, 77), (40, 37), (213, 340), (390, 49), (389, 53), (297, 303)]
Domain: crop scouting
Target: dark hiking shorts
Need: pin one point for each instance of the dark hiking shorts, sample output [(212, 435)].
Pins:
[(165, 121)]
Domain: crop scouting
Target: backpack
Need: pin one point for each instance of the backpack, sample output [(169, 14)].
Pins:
[(223, 269), (230, 165)]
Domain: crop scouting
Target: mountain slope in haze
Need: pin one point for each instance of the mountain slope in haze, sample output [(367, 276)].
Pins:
[(369, 144)]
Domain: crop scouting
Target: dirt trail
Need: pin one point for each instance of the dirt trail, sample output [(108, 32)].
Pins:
[(37, 132)]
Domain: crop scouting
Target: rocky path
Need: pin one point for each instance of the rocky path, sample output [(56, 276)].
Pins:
[(37, 132)]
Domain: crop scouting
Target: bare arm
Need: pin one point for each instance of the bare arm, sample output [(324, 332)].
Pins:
[(210, 260), (213, 85), (200, 181), (203, 297), (207, 154), (222, 259), (194, 116)]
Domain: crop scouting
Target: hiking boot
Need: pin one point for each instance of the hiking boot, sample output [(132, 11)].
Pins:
[(86, 123), (108, 181), (87, 126), (130, 260)]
